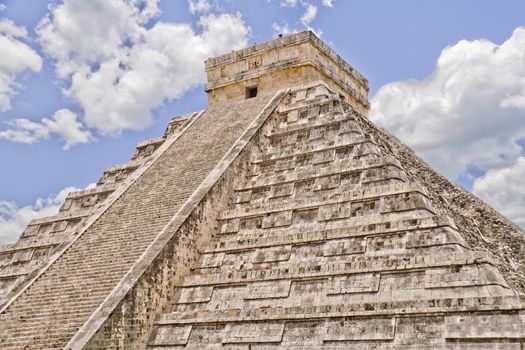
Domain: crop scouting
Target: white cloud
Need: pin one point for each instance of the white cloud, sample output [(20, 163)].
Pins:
[(289, 3), (469, 112), (504, 190), (16, 58), (309, 15), (111, 25), (63, 123), (124, 69), (328, 3), (283, 29), (201, 6), (14, 219)]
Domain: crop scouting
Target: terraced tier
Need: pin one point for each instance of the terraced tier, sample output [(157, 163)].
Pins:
[(83, 275), (42, 237), (330, 245)]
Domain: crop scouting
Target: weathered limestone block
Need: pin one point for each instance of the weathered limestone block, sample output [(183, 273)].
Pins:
[(484, 327), (278, 219), (253, 333), (359, 283), (327, 182), (231, 226), (420, 330), (433, 237), (195, 295), (212, 260), (344, 247), (324, 156), (460, 276), (292, 116), (360, 329), (172, 335), (386, 244), (283, 190), (268, 290), (281, 253), (243, 196)]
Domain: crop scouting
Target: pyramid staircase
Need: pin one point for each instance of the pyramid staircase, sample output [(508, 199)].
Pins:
[(42, 237), (284, 221), (50, 310), (330, 246)]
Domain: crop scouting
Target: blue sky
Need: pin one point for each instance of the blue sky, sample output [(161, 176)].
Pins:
[(61, 126)]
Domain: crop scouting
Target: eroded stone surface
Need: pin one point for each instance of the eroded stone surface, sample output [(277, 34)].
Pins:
[(286, 221), (352, 247)]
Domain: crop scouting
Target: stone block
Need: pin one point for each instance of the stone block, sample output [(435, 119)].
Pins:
[(433, 237), (195, 295), (282, 190), (327, 182), (485, 326), (211, 260), (253, 333), (268, 290), (324, 156), (265, 255), (349, 126), (335, 211), (172, 335), (348, 284), (421, 330), (386, 244), (360, 329), (292, 116), (344, 246), (243, 196), (230, 226), (278, 219)]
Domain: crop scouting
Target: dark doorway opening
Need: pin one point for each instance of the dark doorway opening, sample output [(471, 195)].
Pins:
[(251, 92)]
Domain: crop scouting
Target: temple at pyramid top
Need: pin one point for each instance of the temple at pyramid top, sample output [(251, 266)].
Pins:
[(279, 217), (296, 59)]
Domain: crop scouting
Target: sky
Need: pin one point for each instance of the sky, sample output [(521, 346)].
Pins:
[(82, 82)]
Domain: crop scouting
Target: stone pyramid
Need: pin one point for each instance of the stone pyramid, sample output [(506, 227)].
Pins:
[(279, 217)]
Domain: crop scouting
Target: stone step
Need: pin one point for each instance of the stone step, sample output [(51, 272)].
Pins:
[(61, 216), (111, 245), (303, 173), (288, 127), (99, 189), (335, 265), (32, 243), (378, 225), (362, 195), (323, 146), (345, 310)]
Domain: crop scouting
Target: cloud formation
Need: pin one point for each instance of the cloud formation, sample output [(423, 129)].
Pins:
[(328, 3), (468, 114), (63, 123), (14, 219), (125, 68), (504, 190), (308, 16), (469, 111), (201, 6), (16, 58)]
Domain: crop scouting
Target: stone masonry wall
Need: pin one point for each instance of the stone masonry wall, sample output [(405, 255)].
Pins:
[(130, 324), (482, 227)]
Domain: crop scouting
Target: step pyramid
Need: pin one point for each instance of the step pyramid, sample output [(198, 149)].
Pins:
[(279, 217)]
